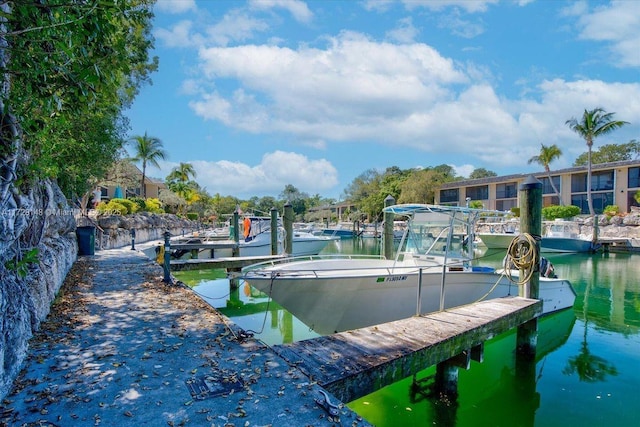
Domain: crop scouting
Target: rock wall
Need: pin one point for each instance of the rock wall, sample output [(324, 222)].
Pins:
[(114, 231), (40, 220)]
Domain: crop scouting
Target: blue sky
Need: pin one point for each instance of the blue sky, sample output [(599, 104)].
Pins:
[(260, 94)]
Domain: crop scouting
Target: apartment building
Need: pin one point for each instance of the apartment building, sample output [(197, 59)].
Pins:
[(613, 183)]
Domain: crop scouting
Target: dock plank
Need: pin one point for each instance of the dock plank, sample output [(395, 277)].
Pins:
[(354, 363)]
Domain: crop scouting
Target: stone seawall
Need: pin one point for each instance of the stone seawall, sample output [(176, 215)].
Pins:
[(114, 231), (38, 247)]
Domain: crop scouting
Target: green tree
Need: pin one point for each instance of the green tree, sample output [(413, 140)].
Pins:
[(547, 155), (69, 69), (610, 153), (482, 173), (148, 150), (182, 173), (594, 123)]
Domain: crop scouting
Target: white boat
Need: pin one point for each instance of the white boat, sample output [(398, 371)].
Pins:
[(255, 242), (338, 293), (564, 236), (497, 234)]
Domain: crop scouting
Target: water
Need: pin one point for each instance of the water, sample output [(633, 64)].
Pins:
[(587, 365)]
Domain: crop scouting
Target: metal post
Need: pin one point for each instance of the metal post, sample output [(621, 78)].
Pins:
[(133, 239), (167, 257)]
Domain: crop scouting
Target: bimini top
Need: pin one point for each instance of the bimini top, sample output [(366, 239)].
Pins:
[(411, 209)]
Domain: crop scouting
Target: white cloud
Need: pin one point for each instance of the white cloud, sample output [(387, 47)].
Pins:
[(404, 32), (618, 24), (175, 6), (297, 8), (274, 172), (467, 5)]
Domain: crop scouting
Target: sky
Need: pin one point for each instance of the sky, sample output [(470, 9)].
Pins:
[(260, 94)]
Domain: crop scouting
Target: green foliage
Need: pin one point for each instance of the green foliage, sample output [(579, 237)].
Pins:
[(611, 210), (636, 196), (482, 173), (610, 153), (73, 67), (153, 205), (193, 216), (113, 207), (21, 265), (476, 204), (515, 211), (132, 207), (140, 203), (553, 212)]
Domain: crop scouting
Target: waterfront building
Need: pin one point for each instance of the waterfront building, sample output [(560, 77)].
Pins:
[(613, 183)]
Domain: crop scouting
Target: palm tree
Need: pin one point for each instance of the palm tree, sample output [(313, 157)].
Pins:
[(594, 123), (148, 150), (546, 156), (182, 173)]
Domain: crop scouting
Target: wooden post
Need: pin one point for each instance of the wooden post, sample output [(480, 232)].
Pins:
[(167, 257), (531, 223), (387, 236), (288, 228), (274, 231), (236, 233)]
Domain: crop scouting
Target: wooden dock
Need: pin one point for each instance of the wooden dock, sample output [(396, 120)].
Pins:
[(355, 363)]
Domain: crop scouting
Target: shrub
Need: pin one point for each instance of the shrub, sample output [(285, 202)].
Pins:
[(611, 210), (516, 212), (552, 212), (153, 205), (140, 202), (193, 216), (112, 207), (131, 206)]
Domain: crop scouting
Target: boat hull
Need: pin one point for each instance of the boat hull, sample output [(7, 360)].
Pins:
[(496, 240), (369, 293), (563, 244)]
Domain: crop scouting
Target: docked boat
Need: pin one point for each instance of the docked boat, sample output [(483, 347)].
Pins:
[(342, 230), (497, 235), (432, 270), (564, 236), (255, 241)]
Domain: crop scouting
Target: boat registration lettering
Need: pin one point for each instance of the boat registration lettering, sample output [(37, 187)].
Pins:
[(391, 279)]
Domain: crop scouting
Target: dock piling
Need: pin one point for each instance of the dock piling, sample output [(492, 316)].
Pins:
[(531, 223)]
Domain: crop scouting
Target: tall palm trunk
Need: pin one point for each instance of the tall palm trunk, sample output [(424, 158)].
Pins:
[(589, 200)]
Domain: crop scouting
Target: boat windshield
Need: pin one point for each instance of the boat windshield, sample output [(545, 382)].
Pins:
[(437, 234)]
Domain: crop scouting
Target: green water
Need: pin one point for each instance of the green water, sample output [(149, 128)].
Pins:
[(586, 373)]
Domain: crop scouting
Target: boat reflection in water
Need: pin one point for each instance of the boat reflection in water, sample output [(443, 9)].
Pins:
[(249, 308)]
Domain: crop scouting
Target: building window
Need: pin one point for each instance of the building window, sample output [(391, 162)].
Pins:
[(547, 188), (600, 201), (450, 195), (478, 193), (506, 205), (634, 177), (600, 181), (507, 191)]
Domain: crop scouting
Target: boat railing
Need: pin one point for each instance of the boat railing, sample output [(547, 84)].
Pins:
[(422, 263)]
